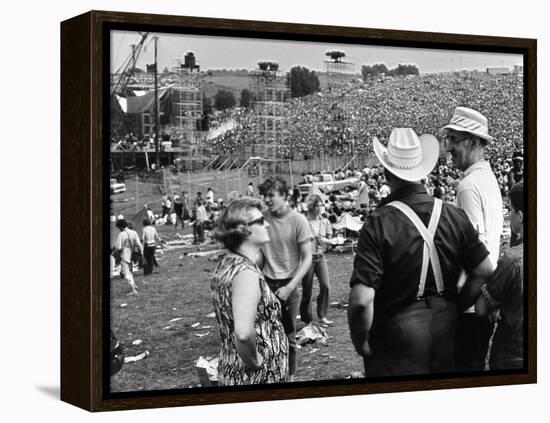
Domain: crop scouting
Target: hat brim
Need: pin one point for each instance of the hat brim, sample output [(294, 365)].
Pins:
[(430, 154), (461, 129)]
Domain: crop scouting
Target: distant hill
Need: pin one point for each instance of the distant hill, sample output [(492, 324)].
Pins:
[(238, 80), (227, 81)]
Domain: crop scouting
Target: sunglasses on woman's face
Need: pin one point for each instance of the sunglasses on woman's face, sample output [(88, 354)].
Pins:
[(259, 221)]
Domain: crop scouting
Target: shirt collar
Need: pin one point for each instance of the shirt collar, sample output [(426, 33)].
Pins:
[(407, 190), (480, 164)]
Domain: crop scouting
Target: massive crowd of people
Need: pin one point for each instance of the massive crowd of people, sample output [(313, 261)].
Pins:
[(348, 120), (292, 231)]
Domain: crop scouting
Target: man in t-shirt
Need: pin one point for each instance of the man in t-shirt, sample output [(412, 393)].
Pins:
[(286, 258)]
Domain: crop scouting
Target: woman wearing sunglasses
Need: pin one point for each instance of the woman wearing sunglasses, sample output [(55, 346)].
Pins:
[(254, 345)]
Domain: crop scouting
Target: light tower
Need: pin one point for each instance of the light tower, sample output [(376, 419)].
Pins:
[(187, 99), (340, 74), (270, 91)]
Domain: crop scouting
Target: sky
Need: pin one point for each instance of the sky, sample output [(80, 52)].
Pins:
[(238, 53)]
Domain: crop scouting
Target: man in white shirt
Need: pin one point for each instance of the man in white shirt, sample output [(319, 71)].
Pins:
[(210, 196), (127, 241), (478, 194)]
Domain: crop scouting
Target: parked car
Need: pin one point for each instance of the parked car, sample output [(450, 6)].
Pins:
[(117, 187), (328, 184)]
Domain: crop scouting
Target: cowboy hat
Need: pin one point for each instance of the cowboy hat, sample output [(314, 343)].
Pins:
[(469, 120), (408, 156)]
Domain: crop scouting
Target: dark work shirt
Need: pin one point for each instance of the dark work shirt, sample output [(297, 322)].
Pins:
[(389, 251)]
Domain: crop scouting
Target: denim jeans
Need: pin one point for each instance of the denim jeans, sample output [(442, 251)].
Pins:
[(289, 310), (318, 267), (150, 261), (417, 340), (472, 340), (126, 269)]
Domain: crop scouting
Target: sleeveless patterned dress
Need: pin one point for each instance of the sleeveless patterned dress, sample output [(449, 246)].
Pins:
[(271, 341)]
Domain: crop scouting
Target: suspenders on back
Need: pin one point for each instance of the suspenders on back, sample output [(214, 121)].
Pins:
[(429, 253)]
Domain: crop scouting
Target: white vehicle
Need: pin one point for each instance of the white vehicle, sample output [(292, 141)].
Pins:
[(328, 184), (117, 187)]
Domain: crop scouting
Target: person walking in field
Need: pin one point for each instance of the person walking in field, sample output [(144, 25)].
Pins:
[(127, 241), (150, 237)]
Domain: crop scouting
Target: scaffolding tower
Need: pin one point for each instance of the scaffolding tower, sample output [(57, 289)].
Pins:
[(270, 92), (340, 75), (187, 100)]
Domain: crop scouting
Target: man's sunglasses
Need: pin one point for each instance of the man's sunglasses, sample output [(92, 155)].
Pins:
[(454, 139), (259, 221)]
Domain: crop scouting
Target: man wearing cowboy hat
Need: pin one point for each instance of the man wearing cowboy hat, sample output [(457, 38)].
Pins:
[(411, 249), (478, 194)]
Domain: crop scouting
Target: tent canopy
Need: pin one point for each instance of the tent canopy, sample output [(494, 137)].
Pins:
[(347, 221)]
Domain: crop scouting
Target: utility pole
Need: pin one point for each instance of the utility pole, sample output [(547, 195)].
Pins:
[(157, 151)]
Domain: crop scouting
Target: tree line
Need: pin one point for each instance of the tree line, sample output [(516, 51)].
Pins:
[(381, 69), (302, 82)]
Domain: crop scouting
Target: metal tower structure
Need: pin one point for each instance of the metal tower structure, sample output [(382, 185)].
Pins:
[(340, 74), (187, 99), (270, 91)]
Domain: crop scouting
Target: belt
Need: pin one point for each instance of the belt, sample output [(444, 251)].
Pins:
[(427, 297)]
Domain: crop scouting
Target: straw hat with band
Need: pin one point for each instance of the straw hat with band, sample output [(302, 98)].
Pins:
[(471, 121), (408, 156)]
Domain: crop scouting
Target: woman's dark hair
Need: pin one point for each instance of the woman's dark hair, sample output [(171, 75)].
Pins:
[(121, 224), (232, 229), (274, 184), (516, 196), (146, 221)]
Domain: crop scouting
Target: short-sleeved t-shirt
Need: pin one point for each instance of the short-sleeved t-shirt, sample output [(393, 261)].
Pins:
[(478, 194), (282, 252)]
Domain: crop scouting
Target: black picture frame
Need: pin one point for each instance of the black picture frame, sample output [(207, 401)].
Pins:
[(84, 190)]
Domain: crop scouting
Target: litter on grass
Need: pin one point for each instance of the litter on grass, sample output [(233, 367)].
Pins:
[(311, 333), (207, 370), (136, 357)]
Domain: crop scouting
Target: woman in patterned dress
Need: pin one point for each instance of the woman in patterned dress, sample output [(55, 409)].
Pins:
[(254, 345)]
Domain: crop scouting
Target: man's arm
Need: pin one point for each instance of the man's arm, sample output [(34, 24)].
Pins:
[(472, 288), (468, 200), (360, 315), (305, 263)]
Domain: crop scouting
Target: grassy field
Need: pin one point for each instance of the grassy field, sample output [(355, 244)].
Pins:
[(180, 289), (172, 315)]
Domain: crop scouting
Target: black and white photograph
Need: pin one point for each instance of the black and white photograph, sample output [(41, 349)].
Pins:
[(290, 212)]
